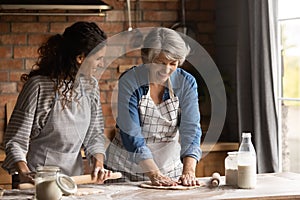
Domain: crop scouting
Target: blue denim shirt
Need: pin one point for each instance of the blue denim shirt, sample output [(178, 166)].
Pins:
[(133, 84)]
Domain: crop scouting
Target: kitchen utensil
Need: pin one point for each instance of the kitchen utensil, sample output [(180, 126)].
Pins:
[(82, 179), (215, 179), (129, 15)]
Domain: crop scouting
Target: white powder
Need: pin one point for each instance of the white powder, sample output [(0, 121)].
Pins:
[(246, 176), (47, 190), (231, 176)]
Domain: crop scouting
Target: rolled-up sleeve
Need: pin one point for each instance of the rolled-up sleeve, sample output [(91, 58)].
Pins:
[(189, 128), (18, 131), (94, 142), (128, 120), (136, 147)]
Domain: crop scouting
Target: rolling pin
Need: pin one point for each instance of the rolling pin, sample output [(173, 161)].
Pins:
[(215, 179), (82, 179)]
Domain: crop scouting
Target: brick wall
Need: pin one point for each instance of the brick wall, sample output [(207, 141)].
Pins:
[(20, 36)]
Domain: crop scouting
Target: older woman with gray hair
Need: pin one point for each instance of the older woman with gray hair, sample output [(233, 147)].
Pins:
[(158, 123)]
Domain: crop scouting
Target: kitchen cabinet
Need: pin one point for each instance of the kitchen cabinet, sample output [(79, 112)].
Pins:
[(213, 158)]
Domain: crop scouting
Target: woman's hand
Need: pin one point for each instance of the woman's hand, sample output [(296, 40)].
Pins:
[(154, 174), (188, 177), (99, 174), (159, 179), (25, 175)]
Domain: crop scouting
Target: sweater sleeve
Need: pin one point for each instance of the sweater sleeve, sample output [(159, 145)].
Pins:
[(189, 128), (95, 139), (18, 131), (128, 120)]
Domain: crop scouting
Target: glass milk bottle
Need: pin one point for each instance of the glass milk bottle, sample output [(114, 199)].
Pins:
[(246, 163), (231, 168)]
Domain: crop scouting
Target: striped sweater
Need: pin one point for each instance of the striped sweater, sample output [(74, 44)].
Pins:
[(30, 116)]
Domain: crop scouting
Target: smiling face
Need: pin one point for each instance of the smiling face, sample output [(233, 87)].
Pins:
[(161, 69), (96, 60), (93, 64)]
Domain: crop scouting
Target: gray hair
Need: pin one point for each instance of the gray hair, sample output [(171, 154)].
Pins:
[(167, 41)]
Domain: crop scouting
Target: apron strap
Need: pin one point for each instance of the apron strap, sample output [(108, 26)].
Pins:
[(81, 87), (171, 92), (57, 91)]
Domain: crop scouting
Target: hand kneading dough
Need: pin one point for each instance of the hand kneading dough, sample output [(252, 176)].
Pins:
[(177, 187)]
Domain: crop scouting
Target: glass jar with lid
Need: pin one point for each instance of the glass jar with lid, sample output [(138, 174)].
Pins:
[(231, 168), (45, 183), (50, 184)]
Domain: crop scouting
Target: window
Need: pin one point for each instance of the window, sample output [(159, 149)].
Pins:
[(289, 83)]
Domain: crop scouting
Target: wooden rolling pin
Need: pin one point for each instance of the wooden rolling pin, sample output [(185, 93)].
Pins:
[(82, 179), (215, 179)]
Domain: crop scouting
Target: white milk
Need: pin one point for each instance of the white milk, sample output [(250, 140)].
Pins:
[(246, 176)]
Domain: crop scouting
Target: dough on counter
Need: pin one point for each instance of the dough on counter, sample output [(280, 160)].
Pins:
[(177, 187)]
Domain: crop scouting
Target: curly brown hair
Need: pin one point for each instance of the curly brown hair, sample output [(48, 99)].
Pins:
[(57, 56)]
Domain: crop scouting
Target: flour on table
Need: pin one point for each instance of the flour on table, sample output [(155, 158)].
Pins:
[(177, 187), (87, 191)]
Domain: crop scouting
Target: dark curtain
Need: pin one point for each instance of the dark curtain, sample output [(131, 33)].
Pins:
[(255, 91)]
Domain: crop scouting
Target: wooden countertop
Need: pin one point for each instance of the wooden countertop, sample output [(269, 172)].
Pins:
[(269, 186)]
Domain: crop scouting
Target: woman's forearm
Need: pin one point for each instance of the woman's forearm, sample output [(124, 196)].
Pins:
[(188, 177), (21, 166), (189, 165), (149, 167), (98, 160)]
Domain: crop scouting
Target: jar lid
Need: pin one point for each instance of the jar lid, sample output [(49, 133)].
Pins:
[(246, 134), (232, 152), (48, 169), (66, 184)]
